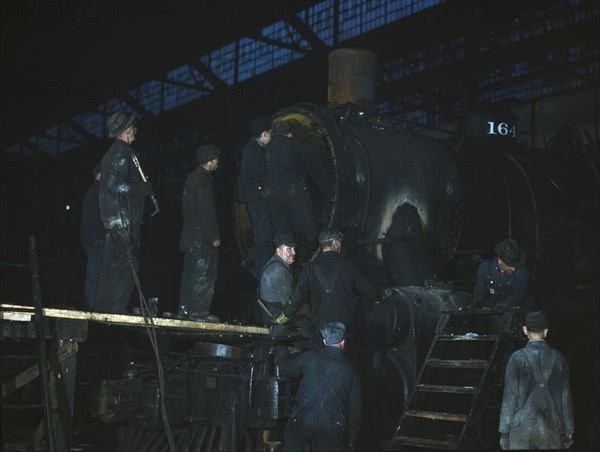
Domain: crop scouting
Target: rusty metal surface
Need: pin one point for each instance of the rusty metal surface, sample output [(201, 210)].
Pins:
[(352, 77)]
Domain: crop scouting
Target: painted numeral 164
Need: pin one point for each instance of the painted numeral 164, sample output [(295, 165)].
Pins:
[(501, 128)]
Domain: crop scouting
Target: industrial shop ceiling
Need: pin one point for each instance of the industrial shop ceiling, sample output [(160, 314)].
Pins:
[(74, 44), (70, 42)]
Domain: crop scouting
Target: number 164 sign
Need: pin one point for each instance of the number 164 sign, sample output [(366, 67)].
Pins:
[(501, 128)]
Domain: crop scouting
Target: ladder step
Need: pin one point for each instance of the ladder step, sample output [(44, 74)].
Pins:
[(447, 389), (467, 337), (478, 312), (458, 363), (422, 442), (437, 416)]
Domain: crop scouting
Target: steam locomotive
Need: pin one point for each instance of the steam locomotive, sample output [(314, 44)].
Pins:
[(417, 214)]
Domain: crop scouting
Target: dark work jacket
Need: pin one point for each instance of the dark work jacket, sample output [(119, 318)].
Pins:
[(340, 305), (329, 391), (509, 289), (253, 172), (122, 191), (518, 408), (90, 228), (200, 225), (284, 163), (291, 160), (276, 281)]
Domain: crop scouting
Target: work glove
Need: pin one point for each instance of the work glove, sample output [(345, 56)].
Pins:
[(384, 293), (281, 319), (504, 441), (566, 441)]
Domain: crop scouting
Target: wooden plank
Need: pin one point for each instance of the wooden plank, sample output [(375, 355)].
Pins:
[(31, 373), (12, 312), (458, 363), (16, 316), (464, 337), (437, 416), (447, 389), (36, 440), (422, 442)]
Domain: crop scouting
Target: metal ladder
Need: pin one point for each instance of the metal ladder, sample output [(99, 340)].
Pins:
[(455, 381)]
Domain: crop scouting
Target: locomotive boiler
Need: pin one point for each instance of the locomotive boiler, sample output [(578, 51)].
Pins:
[(411, 207)]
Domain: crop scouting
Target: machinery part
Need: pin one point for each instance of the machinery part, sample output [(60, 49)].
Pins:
[(221, 396), (220, 350), (351, 77)]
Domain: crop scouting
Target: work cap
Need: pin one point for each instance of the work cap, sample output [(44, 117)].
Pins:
[(283, 128), (329, 235), (536, 321), (285, 240), (258, 126), (510, 252), (117, 123), (207, 152), (333, 333)]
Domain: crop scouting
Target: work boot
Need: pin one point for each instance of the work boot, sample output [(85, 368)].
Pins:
[(208, 318)]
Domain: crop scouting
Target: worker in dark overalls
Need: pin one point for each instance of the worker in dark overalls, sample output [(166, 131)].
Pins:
[(200, 239), (502, 281), (252, 191), (333, 283), (121, 197), (327, 410), (290, 199), (537, 409), (276, 279)]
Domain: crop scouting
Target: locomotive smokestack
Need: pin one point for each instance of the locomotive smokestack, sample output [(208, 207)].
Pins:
[(352, 77)]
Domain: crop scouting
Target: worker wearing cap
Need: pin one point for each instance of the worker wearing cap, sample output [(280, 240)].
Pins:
[(333, 283), (291, 205), (327, 410), (252, 190), (276, 279), (537, 410), (121, 199), (502, 281), (200, 239)]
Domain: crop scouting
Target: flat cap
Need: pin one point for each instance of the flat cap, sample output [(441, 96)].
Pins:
[(207, 152), (283, 128), (285, 240), (333, 333), (536, 321), (510, 252), (329, 235), (117, 123)]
